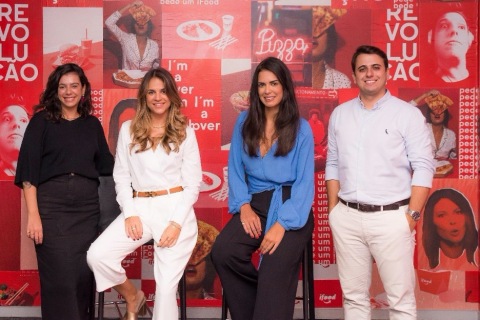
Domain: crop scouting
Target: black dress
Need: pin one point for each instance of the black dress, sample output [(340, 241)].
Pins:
[(64, 160)]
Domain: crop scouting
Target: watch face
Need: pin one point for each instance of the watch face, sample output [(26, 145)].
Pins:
[(415, 215)]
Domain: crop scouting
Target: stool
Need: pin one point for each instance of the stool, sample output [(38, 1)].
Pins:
[(182, 293), (307, 286)]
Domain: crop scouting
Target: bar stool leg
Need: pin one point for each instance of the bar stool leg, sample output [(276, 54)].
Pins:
[(91, 309), (311, 288), (305, 283), (183, 297), (101, 304)]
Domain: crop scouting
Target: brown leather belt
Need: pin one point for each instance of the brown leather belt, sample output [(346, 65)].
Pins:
[(372, 207), (149, 194)]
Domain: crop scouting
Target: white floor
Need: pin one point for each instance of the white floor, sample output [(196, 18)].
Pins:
[(214, 313)]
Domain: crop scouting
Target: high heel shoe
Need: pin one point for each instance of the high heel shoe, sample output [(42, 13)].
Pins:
[(141, 308)]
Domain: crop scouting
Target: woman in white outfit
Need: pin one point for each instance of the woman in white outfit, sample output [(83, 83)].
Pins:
[(157, 179)]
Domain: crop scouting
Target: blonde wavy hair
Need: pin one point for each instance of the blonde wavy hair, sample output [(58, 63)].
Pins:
[(141, 126)]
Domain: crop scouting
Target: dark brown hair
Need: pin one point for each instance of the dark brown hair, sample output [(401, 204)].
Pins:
[(288, 117)]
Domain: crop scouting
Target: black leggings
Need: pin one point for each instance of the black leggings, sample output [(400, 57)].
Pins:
[(269, 292)]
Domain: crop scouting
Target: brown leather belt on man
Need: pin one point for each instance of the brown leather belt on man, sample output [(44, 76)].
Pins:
[(149, 194), (372, 207)]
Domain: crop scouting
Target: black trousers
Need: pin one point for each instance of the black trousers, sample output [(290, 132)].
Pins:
[(69, 211), (269, 292)]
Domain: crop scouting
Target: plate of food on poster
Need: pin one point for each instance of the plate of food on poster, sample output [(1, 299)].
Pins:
[(128, 78), (198, 30), (210, 181), (442, 168), (70, 53)]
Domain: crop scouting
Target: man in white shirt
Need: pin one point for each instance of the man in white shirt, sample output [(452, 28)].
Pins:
[(379, 172)]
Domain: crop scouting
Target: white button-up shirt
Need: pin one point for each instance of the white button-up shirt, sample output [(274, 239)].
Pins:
[(372, 153)]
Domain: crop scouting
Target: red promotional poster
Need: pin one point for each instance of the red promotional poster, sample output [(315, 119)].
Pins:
[(398, 35), (323, 250), (201, 278), (448, 241), (448, 50), (236, 77), (10, 235), (468, 157), (20, 66), (283, 32), (199, 84), (126, 61), (457, 222), (81, 43), (119, 106), (19, 288), (316, 106), (441, 108), (212, 201), (220, 30)]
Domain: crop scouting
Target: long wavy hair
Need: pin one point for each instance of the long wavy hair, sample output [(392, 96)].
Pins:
[(287, 120), (49, 98), (431, 239), (141, 126)]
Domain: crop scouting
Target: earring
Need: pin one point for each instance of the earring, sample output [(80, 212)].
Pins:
[(82, 99)]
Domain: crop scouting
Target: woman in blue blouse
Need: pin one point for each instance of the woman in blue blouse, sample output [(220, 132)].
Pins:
[(271, 188)]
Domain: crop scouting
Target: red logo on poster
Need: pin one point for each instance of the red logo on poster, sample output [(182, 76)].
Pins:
[(328, 293)]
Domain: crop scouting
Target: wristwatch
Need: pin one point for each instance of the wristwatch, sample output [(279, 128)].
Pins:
[(414, 214)]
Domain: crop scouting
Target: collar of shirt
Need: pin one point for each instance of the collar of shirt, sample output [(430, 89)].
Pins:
[(379, 103)]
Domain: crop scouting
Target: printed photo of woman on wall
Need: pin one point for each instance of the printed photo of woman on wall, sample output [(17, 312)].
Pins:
[(450, 235)]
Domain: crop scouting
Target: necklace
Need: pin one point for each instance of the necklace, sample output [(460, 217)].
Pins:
[(69, 118), (158, 127)]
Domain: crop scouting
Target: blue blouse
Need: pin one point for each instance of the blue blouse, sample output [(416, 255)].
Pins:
[(296, 169)]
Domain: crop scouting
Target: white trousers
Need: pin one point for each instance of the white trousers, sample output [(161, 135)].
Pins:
[(360, 237), (106, 254)]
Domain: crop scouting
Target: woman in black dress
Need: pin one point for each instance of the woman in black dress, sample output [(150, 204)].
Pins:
[(63, 153)]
